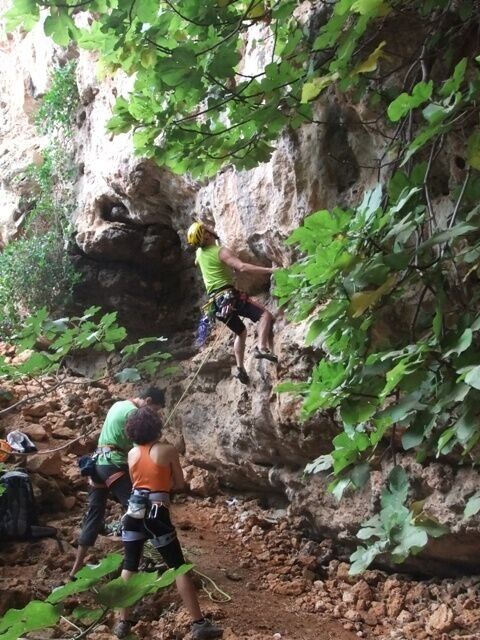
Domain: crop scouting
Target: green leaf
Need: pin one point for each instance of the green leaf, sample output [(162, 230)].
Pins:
[(313, 88), (460, 229), (107, 565), (435, 113), (453, 84), (119, 593), (360, 475), (338, 487), (363, 557), (145, 10), (461, 345), (473, 150), (437, 321), (59, 27), (357, 410), (363, 300), (87, 616), (322, 463), (368, 7), (314, 331), (472, 378), (404, 103), (473, 505), (35, 615), (370, 64), (413, 539), (23, 12), (129, 374), (447, 437)]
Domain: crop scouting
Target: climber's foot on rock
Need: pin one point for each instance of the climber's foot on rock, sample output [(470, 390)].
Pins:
[(242, 375), (265, 354)]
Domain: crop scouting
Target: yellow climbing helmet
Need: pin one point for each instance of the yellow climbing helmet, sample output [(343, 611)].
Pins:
[(195, 234)]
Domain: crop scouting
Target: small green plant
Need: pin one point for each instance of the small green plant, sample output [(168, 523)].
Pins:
[(36, 269), (64, 336), (137, 364), (48, 342), (59, 104), (104, 596), (33, 270), (396, 529)]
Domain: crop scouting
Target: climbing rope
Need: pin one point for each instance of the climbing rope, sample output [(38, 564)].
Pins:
[(224, 596), (187, 388), (209, 586)]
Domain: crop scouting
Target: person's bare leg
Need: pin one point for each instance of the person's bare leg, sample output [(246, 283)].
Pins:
[(188, 593), (239, 348), (265, 330), (79, 560)]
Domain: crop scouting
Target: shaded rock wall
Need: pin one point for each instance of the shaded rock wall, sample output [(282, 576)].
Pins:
[(130, 222)]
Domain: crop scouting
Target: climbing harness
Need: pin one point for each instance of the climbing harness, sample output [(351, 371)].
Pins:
[(224, 302)]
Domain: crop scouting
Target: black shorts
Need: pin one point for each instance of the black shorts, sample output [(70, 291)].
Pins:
[(146, 529), (246, 308)]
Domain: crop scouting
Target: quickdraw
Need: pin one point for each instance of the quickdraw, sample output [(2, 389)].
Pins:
[(225, 303)]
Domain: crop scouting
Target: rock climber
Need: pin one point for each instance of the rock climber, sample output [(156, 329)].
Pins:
[(111, 477), (218, 265), (156, 472)]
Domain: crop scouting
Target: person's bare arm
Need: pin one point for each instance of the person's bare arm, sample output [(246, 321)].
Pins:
[(231, 260), (178, 480), (132, 456)]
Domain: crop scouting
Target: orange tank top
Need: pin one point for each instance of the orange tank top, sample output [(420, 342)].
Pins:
[(147, 474)]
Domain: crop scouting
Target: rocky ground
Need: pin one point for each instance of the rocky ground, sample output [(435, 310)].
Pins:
[(281, 584)]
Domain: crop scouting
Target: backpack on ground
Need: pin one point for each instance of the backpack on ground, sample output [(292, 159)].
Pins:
[(17, 506), (18, 513)]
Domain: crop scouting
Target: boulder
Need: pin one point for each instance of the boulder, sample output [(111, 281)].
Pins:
[(204, 483), (35, 432), (49, 464)]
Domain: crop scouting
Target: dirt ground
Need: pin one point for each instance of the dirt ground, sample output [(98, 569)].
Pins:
[(206, 528), (279, 584), (253, 611)]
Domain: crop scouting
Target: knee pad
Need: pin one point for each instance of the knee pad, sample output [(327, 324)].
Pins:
[(163, 541)]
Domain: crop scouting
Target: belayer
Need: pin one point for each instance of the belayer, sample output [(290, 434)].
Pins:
[(218, 265), (110, 477), (156, 472)]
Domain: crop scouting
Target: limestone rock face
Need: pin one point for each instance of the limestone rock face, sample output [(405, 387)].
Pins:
[(23, 79)]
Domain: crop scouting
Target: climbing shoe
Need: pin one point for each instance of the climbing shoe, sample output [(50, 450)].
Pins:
[(242, 375), (204, 629), (265, 355), (122, 628)]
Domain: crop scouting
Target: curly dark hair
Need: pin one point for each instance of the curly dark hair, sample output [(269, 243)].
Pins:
[(143, 426)]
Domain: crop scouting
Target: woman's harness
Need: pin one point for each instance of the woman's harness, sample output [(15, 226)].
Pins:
[(152, 500)]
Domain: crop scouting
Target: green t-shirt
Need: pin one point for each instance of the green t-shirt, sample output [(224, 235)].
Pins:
[(216, 274), (113, 433)]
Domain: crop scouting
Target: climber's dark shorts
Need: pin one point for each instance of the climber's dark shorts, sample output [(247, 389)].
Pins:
[(146, 529), (246, 308)]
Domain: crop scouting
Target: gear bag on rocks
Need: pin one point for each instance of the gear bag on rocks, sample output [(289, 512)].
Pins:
[(18, 514)]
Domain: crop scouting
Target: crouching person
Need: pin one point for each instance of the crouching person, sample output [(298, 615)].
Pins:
[(155, 472)]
